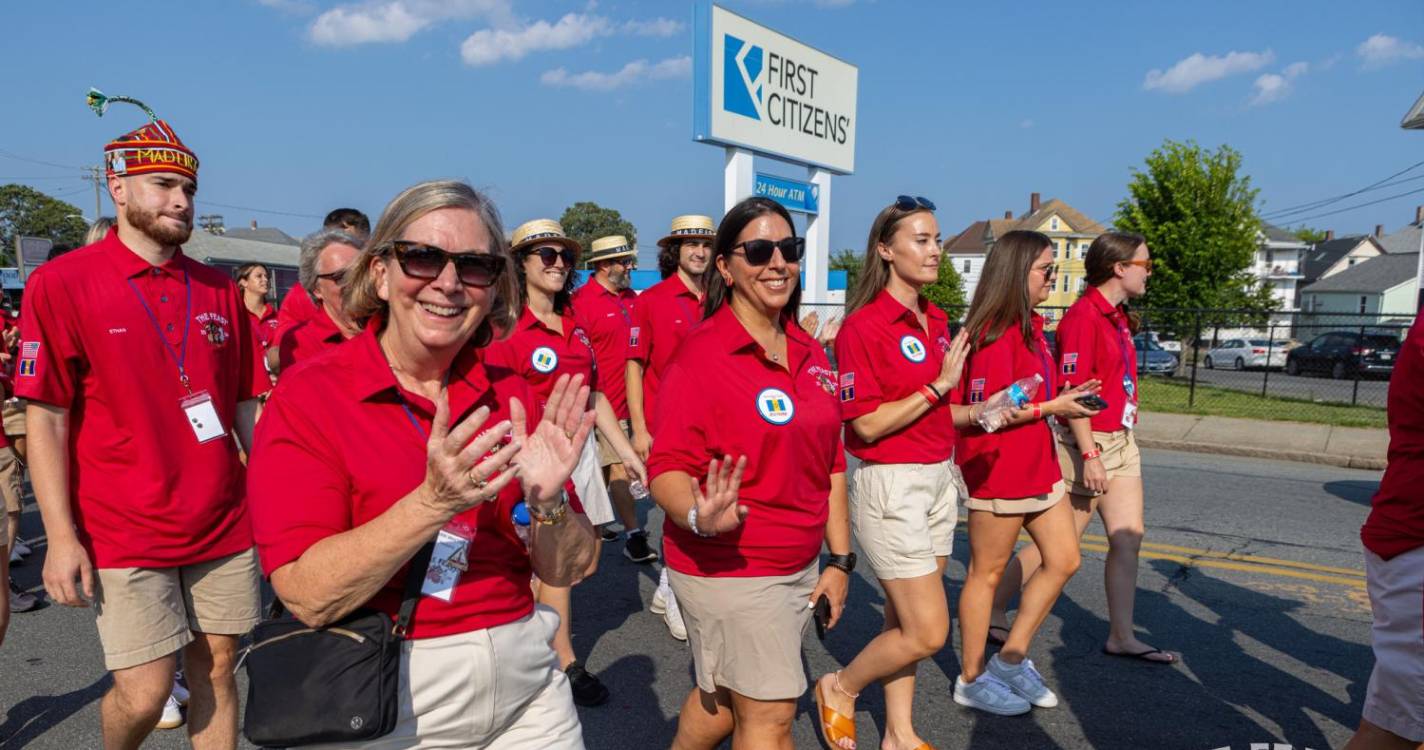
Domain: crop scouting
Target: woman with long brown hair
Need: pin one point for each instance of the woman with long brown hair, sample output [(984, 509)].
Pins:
[(1012, 474), (1098, 455)]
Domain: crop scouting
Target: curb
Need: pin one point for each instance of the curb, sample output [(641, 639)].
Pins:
[(1347, 462)]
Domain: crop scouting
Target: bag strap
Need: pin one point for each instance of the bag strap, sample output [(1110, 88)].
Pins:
[(414, 578)]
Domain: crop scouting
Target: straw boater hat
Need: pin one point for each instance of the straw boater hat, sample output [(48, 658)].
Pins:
[(607, 248), (540, 232), (691, 226)]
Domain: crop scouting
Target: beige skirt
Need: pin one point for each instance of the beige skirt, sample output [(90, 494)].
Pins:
[(745, 633), (1019, 506)]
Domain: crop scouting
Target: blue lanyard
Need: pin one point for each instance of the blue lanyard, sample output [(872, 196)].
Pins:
[(1125, 347), (413, 421), (180, 355)]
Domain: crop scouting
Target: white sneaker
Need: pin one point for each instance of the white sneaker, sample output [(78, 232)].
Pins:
[(659, 604), (1024, 680), (172, 715), (180, 693), (672, 615), (989, 693)]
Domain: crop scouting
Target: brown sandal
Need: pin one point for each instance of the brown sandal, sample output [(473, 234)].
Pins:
[(834, 726)]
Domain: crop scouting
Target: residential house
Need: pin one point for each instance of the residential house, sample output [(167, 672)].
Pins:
[(1278, 265), (261, 234), (967, 250), (1335, 254), (1381, 288), (227, 252)]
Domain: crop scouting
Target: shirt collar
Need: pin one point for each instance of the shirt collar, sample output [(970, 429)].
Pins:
[(325, 325), (373, 380), (528, 320), (130, 264), (892, 309), (1101, 303), (734, 337)]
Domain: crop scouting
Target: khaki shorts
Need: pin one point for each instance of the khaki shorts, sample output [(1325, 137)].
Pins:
[(1394, 700), (11, 481), (606, 455), (1120, 458), (745, 633), (148, 613), (1019, 506), (493, 689), (13, 412), (904, 515)]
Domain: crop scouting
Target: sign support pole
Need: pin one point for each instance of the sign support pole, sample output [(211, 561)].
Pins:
[(740, 177), (816, 265)]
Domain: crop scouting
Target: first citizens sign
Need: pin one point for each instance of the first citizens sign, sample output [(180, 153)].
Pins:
[(764, 91)]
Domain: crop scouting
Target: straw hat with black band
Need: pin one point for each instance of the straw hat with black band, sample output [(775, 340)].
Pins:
[(541, 232), (608, 248), (690, 227)]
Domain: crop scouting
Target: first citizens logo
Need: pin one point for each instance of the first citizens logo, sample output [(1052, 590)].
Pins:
[(774, 88)]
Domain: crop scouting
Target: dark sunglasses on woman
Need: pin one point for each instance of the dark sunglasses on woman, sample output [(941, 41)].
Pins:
[(758, 252), (420, 261), (550, 254), (912, 203)]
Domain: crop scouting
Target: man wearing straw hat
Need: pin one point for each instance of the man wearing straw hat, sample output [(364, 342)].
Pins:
[(138, 366), (665, 313)]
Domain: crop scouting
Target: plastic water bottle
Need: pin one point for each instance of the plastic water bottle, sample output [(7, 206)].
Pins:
[(520, 517), (638, 490), (1001, 405)]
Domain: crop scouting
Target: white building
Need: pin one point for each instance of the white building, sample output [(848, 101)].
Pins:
[(1279, 264)]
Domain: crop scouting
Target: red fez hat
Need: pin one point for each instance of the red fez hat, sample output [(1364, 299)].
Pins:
[(153, 147)]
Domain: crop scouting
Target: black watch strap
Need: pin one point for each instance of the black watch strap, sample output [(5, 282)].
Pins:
[(845, 562)]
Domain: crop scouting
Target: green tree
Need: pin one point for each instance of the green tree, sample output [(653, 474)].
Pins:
[(1306, 234), (948, 290), (847, 260), (1198, 214), (586, 221), (26, 212)]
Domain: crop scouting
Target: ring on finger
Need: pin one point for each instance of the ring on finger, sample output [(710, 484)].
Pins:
[(476, 481)]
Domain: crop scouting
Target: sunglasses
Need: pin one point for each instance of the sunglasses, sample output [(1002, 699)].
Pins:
[(626, 261), (758, 252), (1048, 271), (335, 277), (550, 254), (1145, 263), (420, 261), (911, 203)]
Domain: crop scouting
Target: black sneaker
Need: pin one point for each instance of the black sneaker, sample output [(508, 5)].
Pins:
[(588, 691), (608, 533), (638, 550), (21, 601)]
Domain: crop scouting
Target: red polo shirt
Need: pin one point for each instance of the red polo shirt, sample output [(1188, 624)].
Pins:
[(264, 326), (336, 447), (539, 354), (306, 339), (606, 318), (1095, 342), (1018, 461), (665, 313), (885, 356), (1396, 521), (297, 306), (723, 397), (145, 492)]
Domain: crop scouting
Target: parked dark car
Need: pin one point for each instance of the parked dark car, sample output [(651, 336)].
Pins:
[(1152, 359), (1344, 354)]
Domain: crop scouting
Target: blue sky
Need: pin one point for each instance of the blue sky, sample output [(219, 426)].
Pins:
[(300, 106)]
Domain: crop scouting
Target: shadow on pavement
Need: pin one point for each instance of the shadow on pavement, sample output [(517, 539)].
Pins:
[(633, 717), (31, 718), (1355, 490)]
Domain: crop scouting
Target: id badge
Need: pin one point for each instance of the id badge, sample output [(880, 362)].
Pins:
[(1129, 415), (203, 417), (450, 558)]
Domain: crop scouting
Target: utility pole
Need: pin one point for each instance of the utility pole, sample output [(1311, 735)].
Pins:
[(95, 174)]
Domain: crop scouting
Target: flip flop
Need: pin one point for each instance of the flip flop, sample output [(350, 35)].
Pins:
[(994, 639), (925, 746), (1143, 655), (834, 726)]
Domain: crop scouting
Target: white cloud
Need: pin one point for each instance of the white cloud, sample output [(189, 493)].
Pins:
[(1273, 87), (654, 27), (398, 20), (1296, 69), (1381, 50), (1193, 71), (489, 46), (633, 72)]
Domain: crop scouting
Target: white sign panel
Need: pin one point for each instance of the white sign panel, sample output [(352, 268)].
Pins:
[(767, 92)]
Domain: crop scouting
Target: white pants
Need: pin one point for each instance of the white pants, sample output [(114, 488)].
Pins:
[(494, 689), (1394, 699)]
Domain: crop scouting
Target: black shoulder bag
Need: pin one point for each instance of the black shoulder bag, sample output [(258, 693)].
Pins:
[(333, 684)]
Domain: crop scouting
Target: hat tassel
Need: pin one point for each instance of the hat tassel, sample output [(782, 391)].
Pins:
[(99, 102)]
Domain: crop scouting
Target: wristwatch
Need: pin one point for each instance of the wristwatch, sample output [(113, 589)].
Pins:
[(845, 562), (552, 517)]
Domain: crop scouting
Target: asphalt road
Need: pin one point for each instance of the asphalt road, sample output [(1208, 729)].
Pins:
[(1253, 573), (1372, 391)]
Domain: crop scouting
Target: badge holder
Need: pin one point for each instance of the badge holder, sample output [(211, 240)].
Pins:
[(202, 416), (448, 561)]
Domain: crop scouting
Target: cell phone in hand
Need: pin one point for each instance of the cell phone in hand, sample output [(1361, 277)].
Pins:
[(1092, 401), (822, 616)]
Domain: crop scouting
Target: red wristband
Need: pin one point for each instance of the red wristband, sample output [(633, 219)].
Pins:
[(1092, 454), (929, 394), (1037, 412)]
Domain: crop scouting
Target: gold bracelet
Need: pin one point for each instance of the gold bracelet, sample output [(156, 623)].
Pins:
[(553, 517)]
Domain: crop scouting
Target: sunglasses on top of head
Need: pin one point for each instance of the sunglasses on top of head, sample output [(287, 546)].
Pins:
[(913, 203), (548, 254), (421, 261), (758, 252)]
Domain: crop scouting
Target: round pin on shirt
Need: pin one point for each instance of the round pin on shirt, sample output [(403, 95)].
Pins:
[(775, 406), (912, 348), (544, 359)]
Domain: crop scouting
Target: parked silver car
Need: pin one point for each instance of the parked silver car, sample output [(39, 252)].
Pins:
[(1240, 354)]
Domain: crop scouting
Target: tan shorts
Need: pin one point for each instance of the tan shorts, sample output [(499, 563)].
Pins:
[(493, 689), (606, 455), (1019, 506), (1120, 458), (745, 633), (13, 412), (11, 480), (904, 515), (148, 613), (1394, 700)]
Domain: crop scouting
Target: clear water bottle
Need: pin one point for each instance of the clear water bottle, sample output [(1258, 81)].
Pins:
[(520, 517), (1001, 405), (638, 490)]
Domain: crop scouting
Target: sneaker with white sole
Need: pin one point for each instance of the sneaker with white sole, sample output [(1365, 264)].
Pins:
[(1024, 680), (989, 693), (659, 604), (172, 715), (672, 616), (180, 691)]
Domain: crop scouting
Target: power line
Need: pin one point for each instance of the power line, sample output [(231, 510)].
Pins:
[(1322, 203), (1360, 205), (41, 162), (260, 210), (35, 179)]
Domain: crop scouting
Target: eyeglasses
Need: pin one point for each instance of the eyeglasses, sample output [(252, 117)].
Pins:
[(758, 252), (1144, 263), (336, 277), (420, 261), (910, 203), (1048, 271), (549, 254), (626, 261)]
